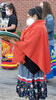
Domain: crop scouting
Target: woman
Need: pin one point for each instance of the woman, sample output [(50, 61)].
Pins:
[(34, 62), (50, 23), (7, 48)]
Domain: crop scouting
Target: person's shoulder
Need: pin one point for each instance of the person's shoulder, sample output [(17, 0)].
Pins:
[(40, 27), (13, 16), (49, 16), (50, 20)]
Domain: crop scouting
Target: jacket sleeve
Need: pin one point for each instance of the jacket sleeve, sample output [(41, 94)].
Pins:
[(50, 23)]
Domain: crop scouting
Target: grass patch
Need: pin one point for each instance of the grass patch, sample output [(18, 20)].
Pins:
[(19, 33), (55, 36)]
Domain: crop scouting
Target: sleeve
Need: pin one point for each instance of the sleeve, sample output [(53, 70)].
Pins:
[(50, 24), (13, 20)]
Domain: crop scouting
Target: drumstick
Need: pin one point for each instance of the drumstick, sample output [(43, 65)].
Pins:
[(5, 28)]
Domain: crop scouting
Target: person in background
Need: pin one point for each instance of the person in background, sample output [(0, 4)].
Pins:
[(7, 48), (34, 62), (50, 24), (11, 14)]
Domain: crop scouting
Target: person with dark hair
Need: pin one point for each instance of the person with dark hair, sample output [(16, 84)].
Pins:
[(34, 62), (11, 13), (7, 48), (50, 23)]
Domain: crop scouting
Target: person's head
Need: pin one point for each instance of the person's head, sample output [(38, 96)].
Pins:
[(33, 15), (46, 7), (10, 9)]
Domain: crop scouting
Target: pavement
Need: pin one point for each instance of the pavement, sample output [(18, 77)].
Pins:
[(8, 81)]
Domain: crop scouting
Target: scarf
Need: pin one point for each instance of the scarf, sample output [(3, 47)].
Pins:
[(34, 44)]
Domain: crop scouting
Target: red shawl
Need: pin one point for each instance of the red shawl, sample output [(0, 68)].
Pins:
[(34, 44)]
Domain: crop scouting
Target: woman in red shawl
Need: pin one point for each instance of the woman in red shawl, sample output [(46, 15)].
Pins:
[(33, 54)]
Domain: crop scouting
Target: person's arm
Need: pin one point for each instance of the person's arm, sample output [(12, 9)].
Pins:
[(50, 23), (11, 27), (8, 28), (12, 41)]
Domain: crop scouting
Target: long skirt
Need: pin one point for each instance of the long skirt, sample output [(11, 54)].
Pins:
[(53, 63), (31, 86), (7, 57)]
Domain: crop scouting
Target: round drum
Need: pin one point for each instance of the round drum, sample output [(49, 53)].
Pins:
[(8, 35)]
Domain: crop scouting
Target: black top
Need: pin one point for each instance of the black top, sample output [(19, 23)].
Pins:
[(31, 66), (12, 20)]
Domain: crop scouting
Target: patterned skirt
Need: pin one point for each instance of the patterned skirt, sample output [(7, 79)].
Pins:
[(53, 63), (31, 86)]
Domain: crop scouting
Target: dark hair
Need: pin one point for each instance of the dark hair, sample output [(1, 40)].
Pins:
[(47, 9), (11, 7), (37, 10)]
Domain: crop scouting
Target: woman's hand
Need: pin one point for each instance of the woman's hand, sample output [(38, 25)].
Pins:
[(1, 28), (12, 41)]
